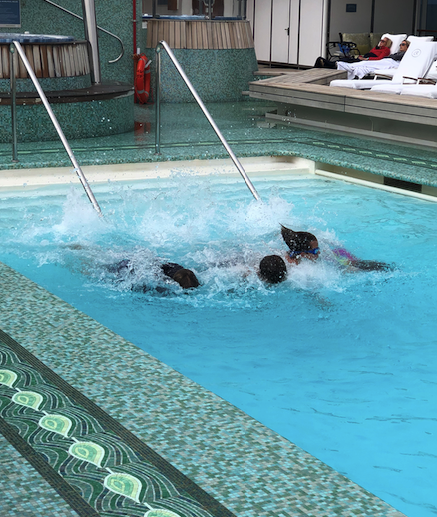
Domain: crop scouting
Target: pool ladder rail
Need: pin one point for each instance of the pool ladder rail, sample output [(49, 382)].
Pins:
[(77, 169), (163, 45)]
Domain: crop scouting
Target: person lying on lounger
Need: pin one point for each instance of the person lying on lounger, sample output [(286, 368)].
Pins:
[(362, 68), (305, 246), (380, 51)]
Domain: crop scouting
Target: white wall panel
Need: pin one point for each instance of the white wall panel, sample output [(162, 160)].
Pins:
[(262, 29), (311, 37), (280, 30), (294, 32)]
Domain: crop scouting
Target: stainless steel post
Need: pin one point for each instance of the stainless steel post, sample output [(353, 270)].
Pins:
[(90, 24), (58, 128), (100, 29), (210, 119), (13, 103), (158, 101)]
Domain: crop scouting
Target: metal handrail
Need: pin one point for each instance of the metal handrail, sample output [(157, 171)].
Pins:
[(53, 118), (100, 29), (163, 44)]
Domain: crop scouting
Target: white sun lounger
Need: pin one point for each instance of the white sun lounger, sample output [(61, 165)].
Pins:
[(388, 65), (414, 64), (430, 77)]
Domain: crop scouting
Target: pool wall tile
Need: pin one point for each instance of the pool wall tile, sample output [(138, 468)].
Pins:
[(217, 75)]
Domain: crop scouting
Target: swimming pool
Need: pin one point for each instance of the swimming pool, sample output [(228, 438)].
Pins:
[(341, 364)]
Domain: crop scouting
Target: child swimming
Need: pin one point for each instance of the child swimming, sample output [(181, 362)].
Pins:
[(304, 245)]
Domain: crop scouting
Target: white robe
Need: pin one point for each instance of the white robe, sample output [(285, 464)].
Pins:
[(363, 68)]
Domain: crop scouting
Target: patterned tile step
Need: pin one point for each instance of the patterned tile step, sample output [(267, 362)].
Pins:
[(98, 467), (187, 135)]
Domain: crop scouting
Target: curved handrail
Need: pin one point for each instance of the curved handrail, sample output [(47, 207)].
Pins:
[(100, 28), (163, 44), (54, 120)]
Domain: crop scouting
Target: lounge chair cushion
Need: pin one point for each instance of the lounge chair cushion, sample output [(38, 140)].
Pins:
[(389, 88), (421, 90), (396, 41), (420, 38)]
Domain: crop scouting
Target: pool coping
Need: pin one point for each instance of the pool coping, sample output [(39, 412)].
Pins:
[(245, 466), (30, 179)]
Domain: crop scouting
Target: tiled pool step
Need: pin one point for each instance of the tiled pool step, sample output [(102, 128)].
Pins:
[(245, 466)]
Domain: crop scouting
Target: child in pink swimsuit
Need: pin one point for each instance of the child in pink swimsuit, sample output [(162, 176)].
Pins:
[(305, 245)]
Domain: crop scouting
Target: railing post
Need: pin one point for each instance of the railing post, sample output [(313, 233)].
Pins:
[(158, 100), (90, 24), (58, 128), (163, 44), (13, 103)]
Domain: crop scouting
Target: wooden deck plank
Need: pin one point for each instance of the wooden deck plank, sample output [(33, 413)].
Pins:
[(183, 35), (5, 62), (210, 39), (218, 36), (28, 50), (37, 61), (177, 35), (194, 35), (204, 32), (392, 115), (286, 90), (301, 101), (44, 61)]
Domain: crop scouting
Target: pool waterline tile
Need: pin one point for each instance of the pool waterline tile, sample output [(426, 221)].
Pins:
[(245, 466)]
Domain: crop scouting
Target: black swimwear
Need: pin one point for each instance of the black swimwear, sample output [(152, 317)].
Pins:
[(125, 266)]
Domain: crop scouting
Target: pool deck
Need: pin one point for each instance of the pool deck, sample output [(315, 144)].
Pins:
[(203, 456), (247, 131), (305, 98)]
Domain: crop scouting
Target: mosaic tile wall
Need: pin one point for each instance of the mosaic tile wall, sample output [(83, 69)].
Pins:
[(42, 18), (246, 467), (217, 75), (77, 120), (61, 83)]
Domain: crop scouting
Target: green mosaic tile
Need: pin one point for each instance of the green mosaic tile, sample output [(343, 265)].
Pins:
[(83, 453), (245, 466)]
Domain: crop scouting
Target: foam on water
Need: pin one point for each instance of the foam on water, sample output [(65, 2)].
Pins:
[(343, 364)]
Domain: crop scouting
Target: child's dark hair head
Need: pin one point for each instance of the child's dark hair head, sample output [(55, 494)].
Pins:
[(272, 269), (186, 278), (297, 241)]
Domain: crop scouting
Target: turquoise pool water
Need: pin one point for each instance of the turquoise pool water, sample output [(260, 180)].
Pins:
[(341, 364)]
